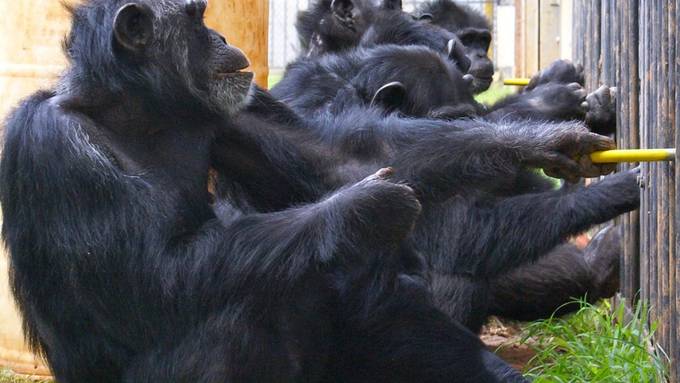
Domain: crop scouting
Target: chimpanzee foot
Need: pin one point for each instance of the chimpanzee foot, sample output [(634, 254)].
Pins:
[(601, 115), (560, 71), (385, 210), (603, 258)]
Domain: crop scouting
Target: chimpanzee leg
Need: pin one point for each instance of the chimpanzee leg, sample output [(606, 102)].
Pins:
[(392, 332), (551, 284), (536, 291), (519, 230)]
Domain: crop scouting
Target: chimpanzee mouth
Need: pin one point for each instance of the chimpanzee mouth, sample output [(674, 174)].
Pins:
[(238, 75)]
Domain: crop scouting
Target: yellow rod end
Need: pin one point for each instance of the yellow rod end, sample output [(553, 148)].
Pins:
[(516, 81), (633, 155)]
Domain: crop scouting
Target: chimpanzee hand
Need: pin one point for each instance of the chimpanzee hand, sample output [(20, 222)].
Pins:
[(560, 71), (563, 151), (388, 210), (603, 256), (558, 101), (601, 110)]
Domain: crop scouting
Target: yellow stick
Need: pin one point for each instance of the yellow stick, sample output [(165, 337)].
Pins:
[(633, 155), (516, 81)]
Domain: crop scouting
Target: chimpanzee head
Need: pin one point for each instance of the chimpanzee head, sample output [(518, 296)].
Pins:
[(416, 81), (399, 28), (159, 50), (472, 29)]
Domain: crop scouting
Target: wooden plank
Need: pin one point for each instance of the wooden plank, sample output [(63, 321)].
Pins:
[(532, 33), (549, 36)]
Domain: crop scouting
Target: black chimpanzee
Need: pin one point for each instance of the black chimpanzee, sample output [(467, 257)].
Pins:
[(336, 25), (123, 270), (327, 87), (472, 29), (468, 240)]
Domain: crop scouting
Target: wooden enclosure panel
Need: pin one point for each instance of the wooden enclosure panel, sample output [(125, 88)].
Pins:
[(635, 44)]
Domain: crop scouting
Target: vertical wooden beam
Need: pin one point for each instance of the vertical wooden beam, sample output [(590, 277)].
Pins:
[(532, 37), (549, 32)]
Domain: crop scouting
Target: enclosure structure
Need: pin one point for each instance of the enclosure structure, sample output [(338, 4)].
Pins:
[(31, 58), (634, 44)]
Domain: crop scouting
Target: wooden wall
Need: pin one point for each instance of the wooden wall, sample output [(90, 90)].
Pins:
[(30, 58), (539, 30), (634, 44)]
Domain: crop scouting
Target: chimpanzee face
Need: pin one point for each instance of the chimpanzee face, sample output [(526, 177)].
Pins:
[(170, 40)]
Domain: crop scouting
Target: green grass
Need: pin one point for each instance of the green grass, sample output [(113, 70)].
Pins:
[(595, 345)]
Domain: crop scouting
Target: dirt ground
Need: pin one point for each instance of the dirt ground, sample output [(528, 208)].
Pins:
[(503, 338)]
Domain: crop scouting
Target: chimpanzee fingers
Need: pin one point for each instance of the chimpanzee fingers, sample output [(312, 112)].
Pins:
[(558, 165), (589, 170), (593, 142)]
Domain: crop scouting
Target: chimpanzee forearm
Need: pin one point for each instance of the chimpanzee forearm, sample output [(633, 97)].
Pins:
[(294, 167), (520, 229), (474, 155)]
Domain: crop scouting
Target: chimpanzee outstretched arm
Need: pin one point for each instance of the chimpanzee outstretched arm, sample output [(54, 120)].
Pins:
[(519, 230), (473, 155), (437, 158)]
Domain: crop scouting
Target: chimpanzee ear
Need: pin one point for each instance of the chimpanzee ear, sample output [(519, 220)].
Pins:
[(390, 96), (458, 56), (392, 4), (342, 9), (133, 26)]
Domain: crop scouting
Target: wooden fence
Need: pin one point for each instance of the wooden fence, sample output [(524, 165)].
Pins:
[(634, 44)]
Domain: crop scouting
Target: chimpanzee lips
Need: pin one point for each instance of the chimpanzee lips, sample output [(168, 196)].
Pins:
[(235, 75)]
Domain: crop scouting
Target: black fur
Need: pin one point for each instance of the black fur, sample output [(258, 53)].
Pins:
[(499, 221), (119, 264), (123, 270), (328, 87)]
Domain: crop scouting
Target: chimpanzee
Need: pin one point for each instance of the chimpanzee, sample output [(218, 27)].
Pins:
[(472, 29), (123, 270), (336, 25), (327, 87)]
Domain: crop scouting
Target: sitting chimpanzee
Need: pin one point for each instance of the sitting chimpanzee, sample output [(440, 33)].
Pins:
[(120, 267), (328, 87), (123, 271)]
